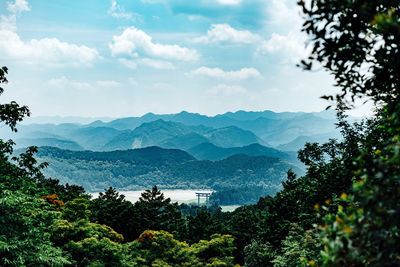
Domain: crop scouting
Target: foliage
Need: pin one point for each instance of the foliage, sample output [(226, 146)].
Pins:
[(98, 252), (297, 247), (159, 248), (156, 213), (258, 254), (367, 221), (24, 239), (216, 252), (11, 113), (241, 194), (358, 42), (205, 223), (111, 209)]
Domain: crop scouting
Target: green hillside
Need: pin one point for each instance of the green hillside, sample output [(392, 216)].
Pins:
[(212, 152), (167, 168)]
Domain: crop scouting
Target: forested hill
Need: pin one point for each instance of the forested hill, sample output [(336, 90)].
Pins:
[(212, 152), (167, 168), (143, 156)]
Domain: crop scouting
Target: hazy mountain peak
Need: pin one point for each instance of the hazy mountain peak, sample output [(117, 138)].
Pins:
[(184, 130)]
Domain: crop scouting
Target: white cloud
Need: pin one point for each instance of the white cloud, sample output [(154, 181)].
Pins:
[(291, 46), (242, 74), (284, 14), (119, 12), (287, 42), (134, 43), (65, 83), (18, 6), (219, 33), (226, 90), (50, 51), (8, 23), (45, 51)]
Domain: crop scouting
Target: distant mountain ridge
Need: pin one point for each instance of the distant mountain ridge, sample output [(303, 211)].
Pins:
[(185, 141), (160, 131), (299, 142), (208, 151), (48, 141), (273, 128), (247, 120), (185, 130), (226, 119)]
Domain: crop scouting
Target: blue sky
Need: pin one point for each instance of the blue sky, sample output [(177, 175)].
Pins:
[(129, 57)]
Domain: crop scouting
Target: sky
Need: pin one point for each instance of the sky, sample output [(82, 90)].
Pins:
[(116, 58)]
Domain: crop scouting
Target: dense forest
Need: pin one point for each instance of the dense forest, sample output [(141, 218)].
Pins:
[(344, 211)]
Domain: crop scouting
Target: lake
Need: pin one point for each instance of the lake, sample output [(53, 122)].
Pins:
[(187, 196)]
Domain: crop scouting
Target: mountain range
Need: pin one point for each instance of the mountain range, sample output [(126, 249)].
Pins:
[(208, 151), (227, 152), (286, 131)]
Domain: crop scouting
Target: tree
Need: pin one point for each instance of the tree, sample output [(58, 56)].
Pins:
[(205, 223), (25, 217), (297, 247), (215, 252), (258, 254), (24, 236), (154, 212), (359, 43), (99, 252), (160, 248), (86, 243), (245, 225), (11, 113), (112, 209)]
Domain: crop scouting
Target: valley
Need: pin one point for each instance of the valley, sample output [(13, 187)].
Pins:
[(241, 156)]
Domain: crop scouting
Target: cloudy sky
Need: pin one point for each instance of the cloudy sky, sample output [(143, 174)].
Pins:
[(129, 57)]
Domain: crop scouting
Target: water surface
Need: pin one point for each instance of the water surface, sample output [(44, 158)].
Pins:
[(187, 196)]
